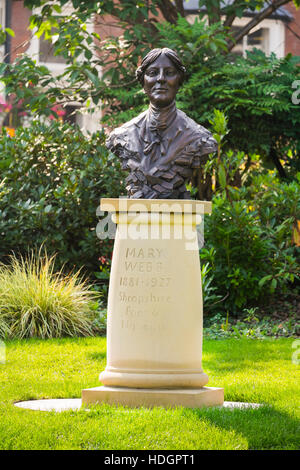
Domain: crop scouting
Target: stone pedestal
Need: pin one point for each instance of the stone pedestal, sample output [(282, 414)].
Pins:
[(154, 329)]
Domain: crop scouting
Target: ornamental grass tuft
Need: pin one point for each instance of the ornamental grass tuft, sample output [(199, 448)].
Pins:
[(37, 302)]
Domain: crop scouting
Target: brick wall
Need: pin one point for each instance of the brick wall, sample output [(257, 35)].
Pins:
[(292, 43), (19, 23)]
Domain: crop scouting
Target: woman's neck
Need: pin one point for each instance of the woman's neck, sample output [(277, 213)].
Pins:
[(161, 118)]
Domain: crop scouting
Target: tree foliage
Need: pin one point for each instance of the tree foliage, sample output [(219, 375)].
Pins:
[(87, 53), (255, 92)]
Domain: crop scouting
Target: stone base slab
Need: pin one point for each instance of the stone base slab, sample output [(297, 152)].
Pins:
[(168, 398), (65, 404)]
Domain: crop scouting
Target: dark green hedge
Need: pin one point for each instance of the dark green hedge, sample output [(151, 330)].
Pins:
[(52, 178)]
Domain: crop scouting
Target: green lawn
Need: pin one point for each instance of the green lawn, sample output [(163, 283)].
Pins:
[(249, 370)]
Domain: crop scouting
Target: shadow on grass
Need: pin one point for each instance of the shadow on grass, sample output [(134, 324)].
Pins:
[(264, 428)]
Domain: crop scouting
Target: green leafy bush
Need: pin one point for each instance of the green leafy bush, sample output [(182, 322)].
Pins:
[(52, 179), (235, 250), (37, 302), (250, 250), (249, 245)]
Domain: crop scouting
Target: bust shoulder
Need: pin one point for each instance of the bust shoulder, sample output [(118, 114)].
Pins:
[(190, 124), (123, 135), (198, 139)]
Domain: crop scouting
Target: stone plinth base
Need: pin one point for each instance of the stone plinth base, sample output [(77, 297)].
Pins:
[(168, 398), (144, 379), (155, 308), (154, 312)]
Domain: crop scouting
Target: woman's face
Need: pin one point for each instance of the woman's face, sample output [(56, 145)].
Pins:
[(161, 81)]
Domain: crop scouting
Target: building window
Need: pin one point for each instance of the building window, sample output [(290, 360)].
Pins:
[(72, 115), (2, 13), (258, 39), (46, 52)]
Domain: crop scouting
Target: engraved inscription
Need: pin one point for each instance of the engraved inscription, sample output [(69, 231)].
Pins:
[(144, 253), (144, 289), (141, 260), (143, 266), (131, 281), (143, 299), (135, 324)]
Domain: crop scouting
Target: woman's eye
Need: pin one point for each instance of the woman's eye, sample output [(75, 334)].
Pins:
[(155, 72)]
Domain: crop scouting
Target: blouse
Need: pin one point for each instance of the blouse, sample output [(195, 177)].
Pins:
[(160, 148)]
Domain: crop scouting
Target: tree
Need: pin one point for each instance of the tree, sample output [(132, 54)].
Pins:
[(132, 12), (85, 53), (206, 49)]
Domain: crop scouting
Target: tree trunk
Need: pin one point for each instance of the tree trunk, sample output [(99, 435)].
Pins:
[(169, 11), (203, 185), (273, 156)]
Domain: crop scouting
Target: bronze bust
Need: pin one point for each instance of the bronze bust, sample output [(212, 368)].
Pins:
[(162, 146)]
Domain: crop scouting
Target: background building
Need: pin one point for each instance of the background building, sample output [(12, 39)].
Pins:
[(279, 34)]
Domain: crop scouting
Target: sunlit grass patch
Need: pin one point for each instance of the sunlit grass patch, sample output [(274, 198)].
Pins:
[(248, 370)]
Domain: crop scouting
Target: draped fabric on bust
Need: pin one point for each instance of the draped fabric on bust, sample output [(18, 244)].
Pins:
[(160, 148), (157, 121)]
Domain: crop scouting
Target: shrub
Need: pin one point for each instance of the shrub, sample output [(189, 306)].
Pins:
[(4, 328), (251, 246), (249, 243), (235, 251), (52, 179), (251, 326), (36, 302)]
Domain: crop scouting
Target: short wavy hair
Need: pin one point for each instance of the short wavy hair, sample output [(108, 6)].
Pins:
[(153, 55)]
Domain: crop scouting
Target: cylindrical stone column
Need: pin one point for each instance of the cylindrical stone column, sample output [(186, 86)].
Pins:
[(154, 328)]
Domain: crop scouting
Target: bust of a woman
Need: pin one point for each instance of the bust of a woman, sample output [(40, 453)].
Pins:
[(162, 146)]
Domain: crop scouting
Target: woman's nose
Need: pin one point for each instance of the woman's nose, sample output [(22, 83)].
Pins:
[(161, 76)]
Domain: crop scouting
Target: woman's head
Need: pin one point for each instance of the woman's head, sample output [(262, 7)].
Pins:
[(161, 74), (153, 55)]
